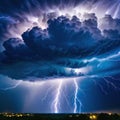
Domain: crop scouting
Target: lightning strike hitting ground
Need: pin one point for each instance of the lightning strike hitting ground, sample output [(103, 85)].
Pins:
[(56, 101), (77, 102), (80, 47)]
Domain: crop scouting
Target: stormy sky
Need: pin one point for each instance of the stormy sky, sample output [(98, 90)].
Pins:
[(59, 56)]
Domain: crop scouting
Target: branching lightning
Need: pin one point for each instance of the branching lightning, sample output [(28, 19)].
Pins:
[(58, 84), (56, 101), (12, 87), (77, 102), (95, 67)]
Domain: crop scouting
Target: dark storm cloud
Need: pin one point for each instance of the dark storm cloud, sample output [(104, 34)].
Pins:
[(90, 16), (108, 22), (15, 17), (66, 48), (11, 16), (111, 31), (15, 48), (35, 8), (63, 38), (112, 34)]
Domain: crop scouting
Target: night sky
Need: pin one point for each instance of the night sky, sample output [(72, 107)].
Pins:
[(59, 56)]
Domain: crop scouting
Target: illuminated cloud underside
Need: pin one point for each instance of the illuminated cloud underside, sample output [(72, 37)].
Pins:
[(51, 84)]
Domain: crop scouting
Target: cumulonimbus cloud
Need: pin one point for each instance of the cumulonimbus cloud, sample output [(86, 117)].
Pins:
[(63, 38)]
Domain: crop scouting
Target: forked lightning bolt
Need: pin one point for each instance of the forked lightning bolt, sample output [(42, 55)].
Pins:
[(77, 102), (56, 102)]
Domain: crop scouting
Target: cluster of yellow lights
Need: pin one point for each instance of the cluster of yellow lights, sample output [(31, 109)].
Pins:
[(16, 115), (93, 117)]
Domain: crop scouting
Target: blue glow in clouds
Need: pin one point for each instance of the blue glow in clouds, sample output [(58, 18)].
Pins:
[(53, 89), (60, 57)]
